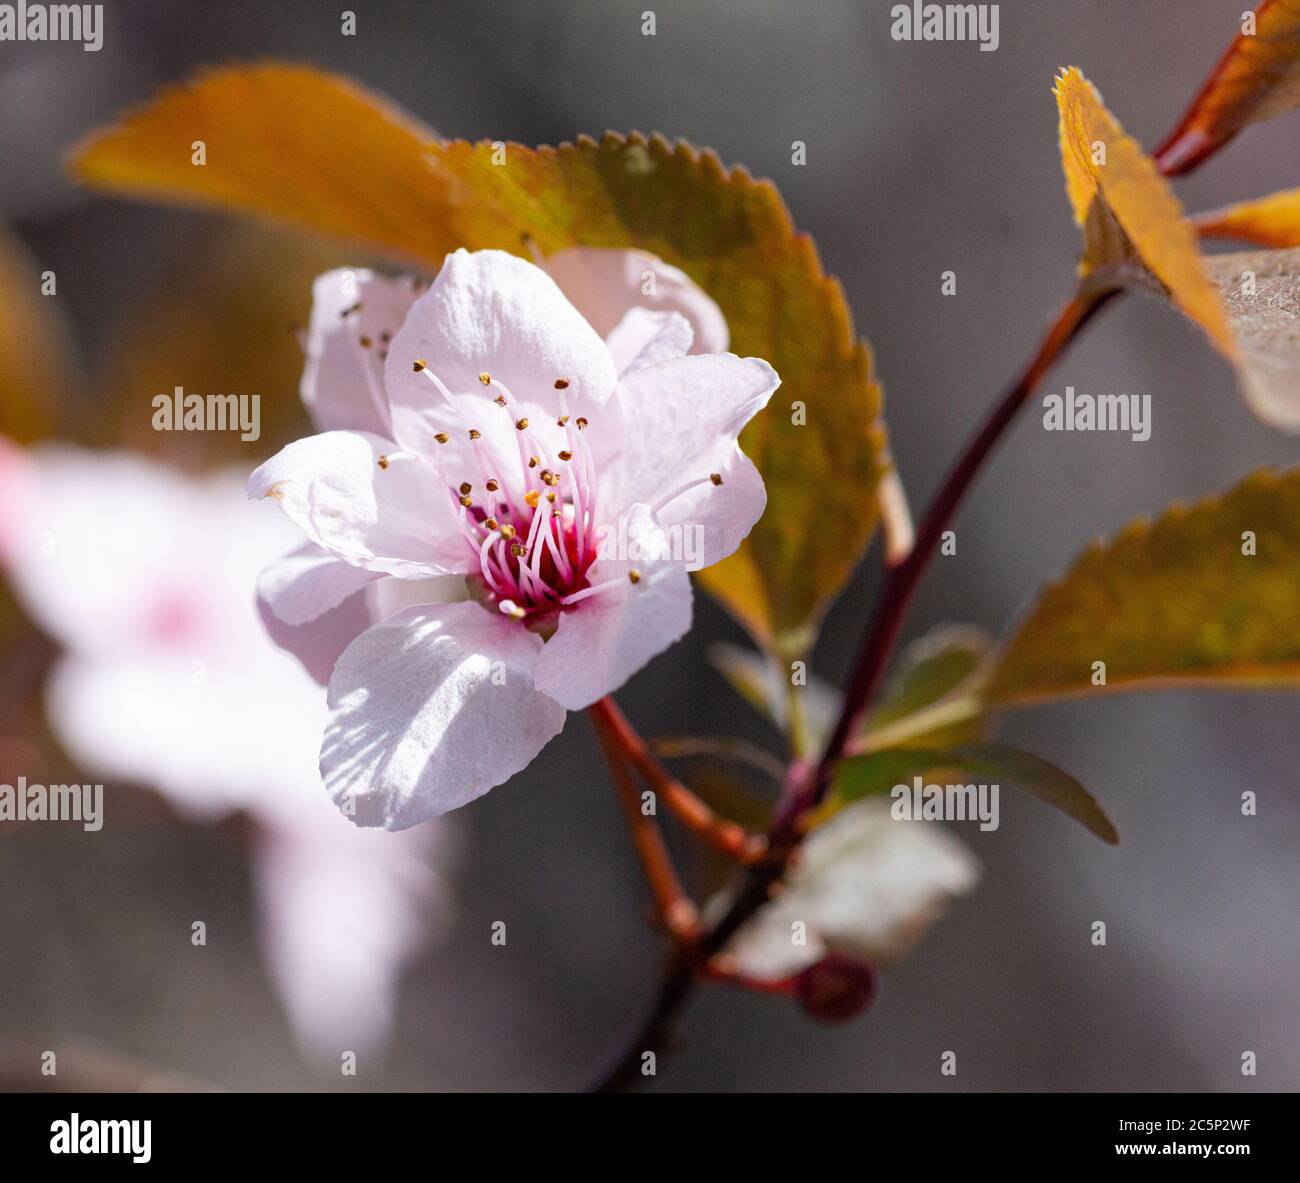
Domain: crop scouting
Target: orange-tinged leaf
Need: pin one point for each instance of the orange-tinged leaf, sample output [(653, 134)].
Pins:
[(1272, 221), (1174, 602), (1134, 226), (280, 141), (295, 144), (1257, 78)]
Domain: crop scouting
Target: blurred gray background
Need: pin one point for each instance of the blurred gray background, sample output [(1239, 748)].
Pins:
[(921, 158)]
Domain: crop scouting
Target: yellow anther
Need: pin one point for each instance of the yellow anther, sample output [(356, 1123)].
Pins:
[(507, 531), (634, 575), (562, 420), (467, 501), (475, 434), (442, 437), (383, 461), (549, 478), (485, 378), (518, 549), (420, 364), (532, 497), (522, 424)]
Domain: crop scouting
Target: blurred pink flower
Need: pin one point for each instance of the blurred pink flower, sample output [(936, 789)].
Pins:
[(167, 678), (514, 501)]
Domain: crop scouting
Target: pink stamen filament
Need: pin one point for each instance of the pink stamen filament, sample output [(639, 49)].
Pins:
[(594, 590), (680, 491)]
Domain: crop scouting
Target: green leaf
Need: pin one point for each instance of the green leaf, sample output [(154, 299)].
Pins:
[(931, 699), (1174, 602), (1039, 778), (302, 146), (878, 772)]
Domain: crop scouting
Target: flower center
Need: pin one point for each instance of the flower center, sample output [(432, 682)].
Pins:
[(534, 536)]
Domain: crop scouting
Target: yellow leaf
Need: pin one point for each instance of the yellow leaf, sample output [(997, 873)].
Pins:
[(1134, 225), (37, 371), (1180, 601), (280, 141), (1257, 78), (1272, 221), (295, 144)]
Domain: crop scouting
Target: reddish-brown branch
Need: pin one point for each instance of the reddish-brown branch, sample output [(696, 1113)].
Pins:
[(719, 832), (673, 907)]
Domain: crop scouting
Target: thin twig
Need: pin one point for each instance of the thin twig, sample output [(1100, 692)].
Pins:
[(720, 747), (721, 833), (673, 907)]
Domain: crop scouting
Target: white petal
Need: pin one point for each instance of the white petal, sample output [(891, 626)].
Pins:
[(308, 582), (488, 311), (603, 640), (343, 380), (676, 424), (388, 597), (319, 643), (431, 708), (867, 886), (399, 519), (643, 338), (603, 283)]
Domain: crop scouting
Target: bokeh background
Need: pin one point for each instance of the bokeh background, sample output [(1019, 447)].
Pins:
[(921, 158)]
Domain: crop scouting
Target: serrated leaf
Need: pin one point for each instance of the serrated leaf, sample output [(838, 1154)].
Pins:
[(1136, 234), (281, 141), (1134, 229), (1169, 603), (299, 145), (879, 772), (1257, 78)]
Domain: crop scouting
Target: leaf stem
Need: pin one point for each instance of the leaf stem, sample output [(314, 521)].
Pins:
[(673, 907), (719, 832)]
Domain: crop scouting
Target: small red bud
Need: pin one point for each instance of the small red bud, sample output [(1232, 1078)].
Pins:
[(836, 988)]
